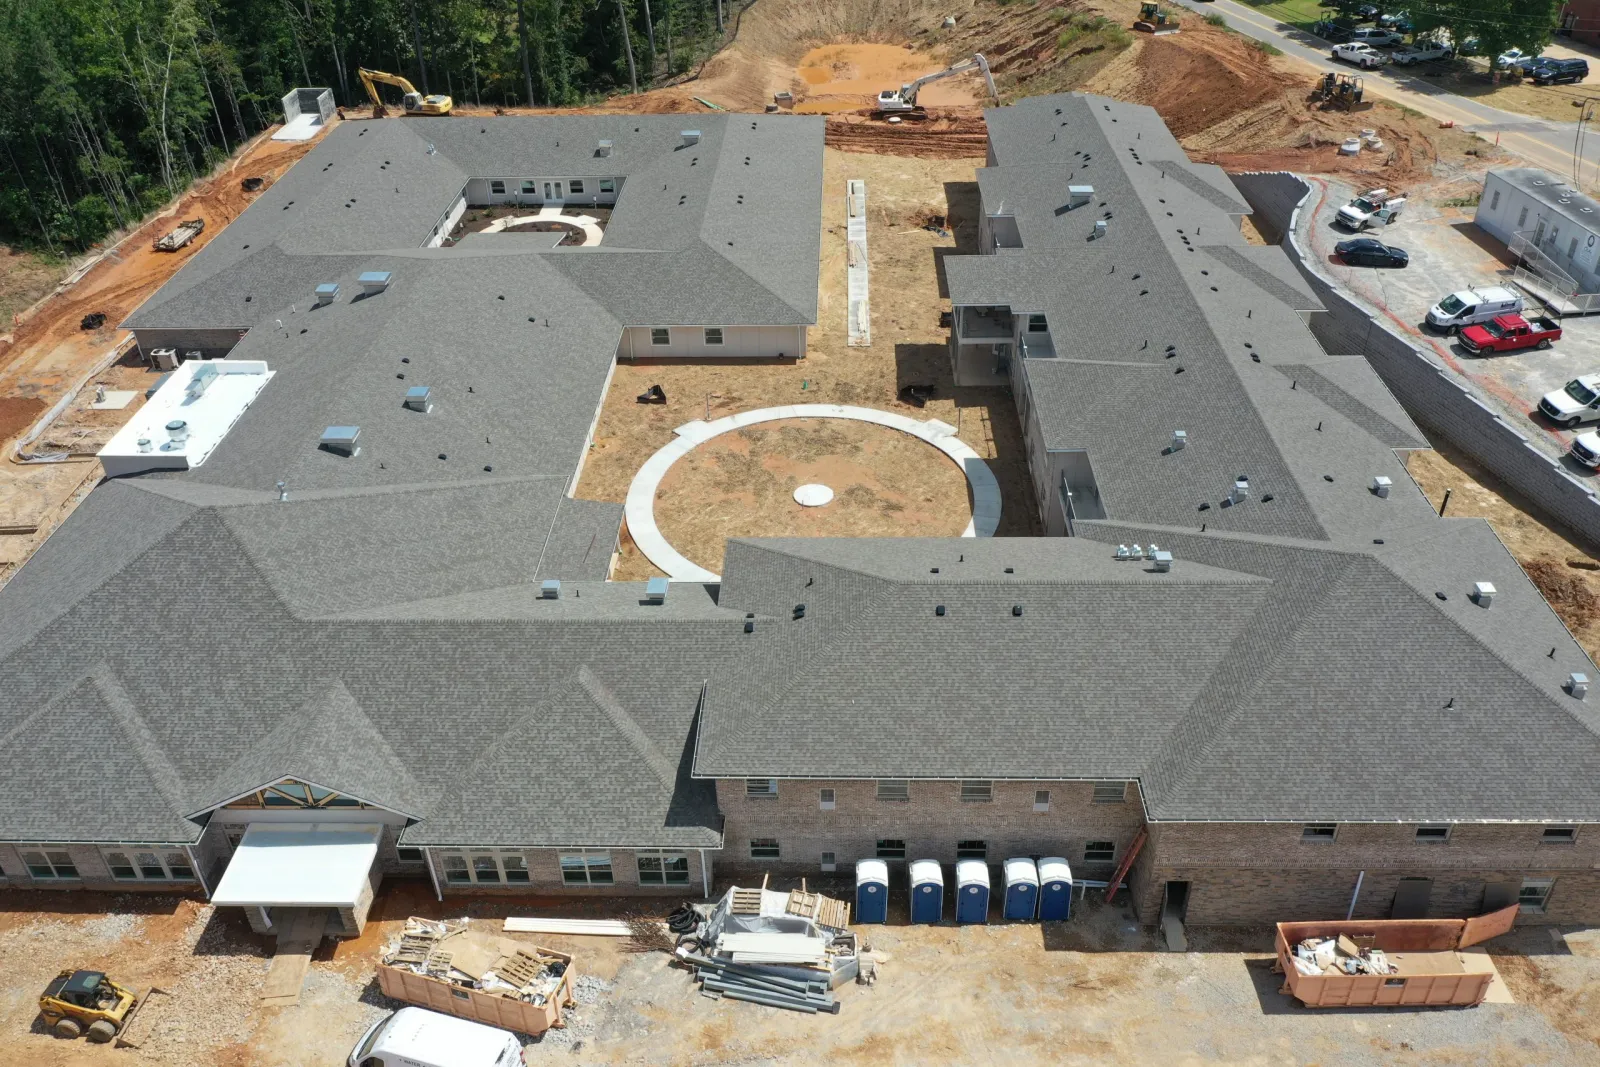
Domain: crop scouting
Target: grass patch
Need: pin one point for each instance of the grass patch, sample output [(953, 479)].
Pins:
[(1463, 201), (1302, 14), (1217, 20), (26, 278), (1266, 48), (1089, 33)]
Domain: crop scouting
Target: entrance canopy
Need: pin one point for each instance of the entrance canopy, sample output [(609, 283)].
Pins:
[(306, 865)]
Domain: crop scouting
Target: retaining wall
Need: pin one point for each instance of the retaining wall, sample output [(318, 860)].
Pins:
[(1432, 396)]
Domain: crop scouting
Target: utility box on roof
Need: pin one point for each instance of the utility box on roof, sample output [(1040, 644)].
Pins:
[(972, 891), (1022, 889), (872, 891), (1055, 889), (927, 891)]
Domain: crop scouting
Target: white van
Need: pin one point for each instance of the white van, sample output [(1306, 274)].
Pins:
[(1473, 305), (416, 1037)]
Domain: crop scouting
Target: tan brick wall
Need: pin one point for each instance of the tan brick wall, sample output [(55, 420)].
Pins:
[(930, 823), (544, 873)]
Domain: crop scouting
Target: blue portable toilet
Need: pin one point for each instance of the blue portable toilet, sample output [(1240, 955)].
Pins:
[(927, 891), (1055, 889), (1022, 888), (972, 891), (872, 891)]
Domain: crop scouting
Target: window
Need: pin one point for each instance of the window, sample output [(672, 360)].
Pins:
[(1041, 800), (825, 798), (972, 850), (977, 792), (497, 187), (828, 862), (891, 848), (586, 868), (148, 863), (530, 186), (608, 185), (660, 335), (1436, 834), (760, 787), (1110, 792), (764, 848), (1318, 832), (292, 794), (713, 335), (896, 789), (663, 868), (1037, 324), (408, 855), (1534, 894), (1572, 248), (575, 186), (1099, 851), (484, 868), (48, 863), (1559, 835), (1522, 218), (1494, 201)]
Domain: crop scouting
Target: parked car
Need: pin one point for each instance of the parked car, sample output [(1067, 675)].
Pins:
[(1330, 30), (1578, 401), (1512, 59), (1373, 207), (1361, 54), (1422, 52), (1549, 71), (1393, 18), (1586, 449), (1371, 252), (416, 1037), (1474, 305), (1508, 333), (1377, 38), (1367, 11), (1468, 47)]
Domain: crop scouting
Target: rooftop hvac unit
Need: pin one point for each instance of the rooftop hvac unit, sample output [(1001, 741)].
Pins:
[(1163, 560), (374, 282), (1078, 195), (1240, 491), (417, 398), (691, 137), (327, 293), (164, 358), (342, 439), (1382, 485), (1483, 593), (655, 590), (603, 149), (1578, 684), (550, 589), (1100, 228)]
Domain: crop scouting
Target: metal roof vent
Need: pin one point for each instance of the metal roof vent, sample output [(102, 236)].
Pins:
[(1180, 440), (417, 398), (1122, 552), (374, 282), (1162, 560), (1099, 228), (177, 434), (691, 137), (603, 149), (550, 589), (1078, 195), (1578, 684), (1483, 593), (1382, 485), (342, 439), (327, 293), (1150, 552), (1240, 491), (655, 590), (202, 380)]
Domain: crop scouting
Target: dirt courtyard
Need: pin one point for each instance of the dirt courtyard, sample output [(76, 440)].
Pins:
[(1097, 989)]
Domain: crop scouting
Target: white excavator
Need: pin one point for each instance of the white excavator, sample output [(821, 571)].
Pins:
[(902, 102)]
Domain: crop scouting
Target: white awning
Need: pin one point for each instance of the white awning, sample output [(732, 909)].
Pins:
[(305, 865)]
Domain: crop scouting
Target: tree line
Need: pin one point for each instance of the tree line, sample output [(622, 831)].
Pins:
[(112, 107)]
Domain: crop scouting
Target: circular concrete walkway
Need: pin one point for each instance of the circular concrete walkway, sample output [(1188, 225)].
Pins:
[(588, 225), (640, 506)]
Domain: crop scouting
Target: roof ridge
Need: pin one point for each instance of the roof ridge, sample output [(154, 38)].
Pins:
[(627, 726), (163, 775)]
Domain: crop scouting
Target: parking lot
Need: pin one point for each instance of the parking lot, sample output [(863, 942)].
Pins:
[(1449, 253)]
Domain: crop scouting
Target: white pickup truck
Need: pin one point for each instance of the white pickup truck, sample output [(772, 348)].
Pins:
[(1362, 55), (1423, 52), (1377, 207)]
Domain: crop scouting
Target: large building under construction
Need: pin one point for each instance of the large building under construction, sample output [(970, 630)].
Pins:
[(1248, 662)]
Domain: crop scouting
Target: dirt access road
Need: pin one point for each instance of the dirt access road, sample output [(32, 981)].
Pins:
[(1094, 990)]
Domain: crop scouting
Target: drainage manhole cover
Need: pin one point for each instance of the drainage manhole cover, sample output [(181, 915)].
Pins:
[(812, 496)]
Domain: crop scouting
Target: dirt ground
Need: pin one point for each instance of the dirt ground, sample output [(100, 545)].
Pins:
[(26, 278), (1095, 990)]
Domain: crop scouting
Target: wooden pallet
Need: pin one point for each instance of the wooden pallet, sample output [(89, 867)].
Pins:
[(803, 903), (520, 968), (834, 913), (746, 902)]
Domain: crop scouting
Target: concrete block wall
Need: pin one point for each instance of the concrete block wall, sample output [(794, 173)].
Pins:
[(1429, 394), (930, 823), (544, 873)]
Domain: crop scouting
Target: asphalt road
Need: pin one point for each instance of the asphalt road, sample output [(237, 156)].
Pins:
[(1546, 144)]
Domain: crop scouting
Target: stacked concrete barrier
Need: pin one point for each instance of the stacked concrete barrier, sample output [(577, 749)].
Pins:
[(1428, 392)]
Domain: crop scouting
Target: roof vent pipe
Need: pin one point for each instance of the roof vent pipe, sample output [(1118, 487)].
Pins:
[(550, 589), (1483, 593), (1180, 440), (691, 137), (327, 294), (177, 434), (1152, 551), (1578, 684), (1381, 486), (603, 149), (655, 591)]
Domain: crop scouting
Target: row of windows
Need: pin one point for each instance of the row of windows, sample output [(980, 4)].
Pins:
[(578, 867), (898, 790), (574, 186), (1437, 833), (894, 848), (662, 335), (127, 863)]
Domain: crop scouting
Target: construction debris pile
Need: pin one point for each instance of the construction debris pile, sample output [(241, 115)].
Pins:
[(783, 950), (447, 951), (1343, 955)]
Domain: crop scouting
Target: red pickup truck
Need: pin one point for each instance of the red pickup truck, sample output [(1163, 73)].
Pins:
[(1507, 333)]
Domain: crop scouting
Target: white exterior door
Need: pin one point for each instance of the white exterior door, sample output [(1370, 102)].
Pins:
[(554, 192)]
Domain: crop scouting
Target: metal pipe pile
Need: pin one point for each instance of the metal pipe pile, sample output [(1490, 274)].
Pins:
[(772, 986)]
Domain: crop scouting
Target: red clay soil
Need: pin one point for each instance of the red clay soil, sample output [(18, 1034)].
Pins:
[(1205, 79), (17, 413)]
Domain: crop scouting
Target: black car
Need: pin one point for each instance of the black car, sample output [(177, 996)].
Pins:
[(1369, 252), (1549, 71)]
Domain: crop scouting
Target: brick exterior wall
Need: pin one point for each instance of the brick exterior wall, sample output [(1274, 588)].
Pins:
[(544, 874), (930, 823), (92, 873)]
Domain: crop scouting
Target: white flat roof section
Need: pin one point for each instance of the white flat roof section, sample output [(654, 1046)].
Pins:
[(204, 398), (311, 865)]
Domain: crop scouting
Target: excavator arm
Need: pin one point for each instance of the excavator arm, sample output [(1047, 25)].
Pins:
[(907, 96), (415, 103)]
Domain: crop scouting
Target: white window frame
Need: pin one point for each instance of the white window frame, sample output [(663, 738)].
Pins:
[(1528, 906), (765, 848), (760, 787), (1111, 853), (1571, 837), (56, 857), (163, 856), (575, 185), (1434, 838), (830, 861), (826, 799), (1037, 323), (714, 341), (885, 848), (662, 856), (977, 791), (1041, 800), (1312, 833), (497, 187), (660, 336), (588, 862), (529, 187), (1103, 791), (608, 185), (477, 863), (894, 790)]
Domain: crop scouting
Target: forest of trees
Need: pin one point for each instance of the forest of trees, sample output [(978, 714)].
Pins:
[(111, 107)]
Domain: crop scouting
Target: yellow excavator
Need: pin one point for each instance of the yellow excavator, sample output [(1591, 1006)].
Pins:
[(414, 102)]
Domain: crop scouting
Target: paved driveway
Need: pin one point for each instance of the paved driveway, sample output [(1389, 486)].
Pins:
[(1449, 253)]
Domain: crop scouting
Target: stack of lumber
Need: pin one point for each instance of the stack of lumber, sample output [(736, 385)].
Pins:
[(774, 948)]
